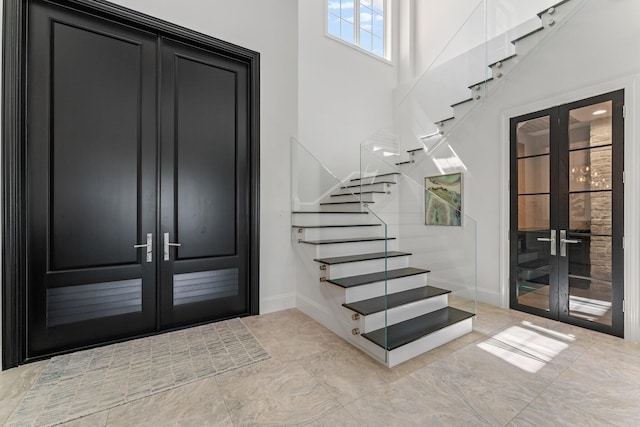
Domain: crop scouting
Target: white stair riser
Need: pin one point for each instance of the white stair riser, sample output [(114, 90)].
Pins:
[(429, 342), (364, 188), (354, 248), (329, 219), (374, 179), (343, 207), (376, 289), (339, 232), (395, 315), (347, 269), (366, 198)]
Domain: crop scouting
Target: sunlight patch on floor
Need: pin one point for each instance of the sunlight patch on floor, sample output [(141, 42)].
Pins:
[(529, 348)]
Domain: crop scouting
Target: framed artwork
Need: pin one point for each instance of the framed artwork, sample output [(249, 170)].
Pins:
[(443, 199)]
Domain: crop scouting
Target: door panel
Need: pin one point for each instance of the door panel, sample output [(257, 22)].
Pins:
[(91, 180), (567, 208), (204, 187), (86, 148), (205, 112), (594, 213), (531, 244)]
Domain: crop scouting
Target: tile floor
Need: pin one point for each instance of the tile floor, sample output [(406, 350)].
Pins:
[(514, 369)]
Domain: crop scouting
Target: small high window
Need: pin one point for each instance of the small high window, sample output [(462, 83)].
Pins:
[(359, 22)]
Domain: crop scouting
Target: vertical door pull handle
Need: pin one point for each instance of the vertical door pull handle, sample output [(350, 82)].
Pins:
[(167, 243), (149, 247), (551, 239)]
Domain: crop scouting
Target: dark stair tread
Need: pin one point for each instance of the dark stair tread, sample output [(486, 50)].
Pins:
[(360, 257), (503, 60), (363, 279), (403, 163), (481, 83), (415, 149), (336, 225), (376, 176), (411, 330), (360, 192), (461, 102), (439, 122), (378, 304), (329, 212), (348, 202), (363, 185), (528, 34), (350, 240)]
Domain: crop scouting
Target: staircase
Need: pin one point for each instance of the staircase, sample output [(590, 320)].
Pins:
[(366, 290), (459, 95), (384, 304)]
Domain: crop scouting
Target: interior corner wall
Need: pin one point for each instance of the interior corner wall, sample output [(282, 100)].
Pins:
[(344, 95), (271, 28)]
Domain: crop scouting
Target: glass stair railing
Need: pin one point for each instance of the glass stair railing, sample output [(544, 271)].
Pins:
[(358, 277)]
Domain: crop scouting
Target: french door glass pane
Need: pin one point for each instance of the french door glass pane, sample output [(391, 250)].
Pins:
[(533, 270), (590, 169), (590, 300), (533, 175), (590, 213), (590, 126), (533, 212), (533, 137)]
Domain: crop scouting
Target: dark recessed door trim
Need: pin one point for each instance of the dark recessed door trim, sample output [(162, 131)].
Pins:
[(14, 231)]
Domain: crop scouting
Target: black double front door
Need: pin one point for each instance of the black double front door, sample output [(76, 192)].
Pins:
[(567, 206), (137, 182)]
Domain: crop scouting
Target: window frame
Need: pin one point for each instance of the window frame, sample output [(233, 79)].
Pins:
[(386, 39)]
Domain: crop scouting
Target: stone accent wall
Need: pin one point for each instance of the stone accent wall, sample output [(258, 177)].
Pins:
[(600, 253)]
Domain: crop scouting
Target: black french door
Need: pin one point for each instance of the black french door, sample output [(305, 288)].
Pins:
[(138, 182), (566, 238)]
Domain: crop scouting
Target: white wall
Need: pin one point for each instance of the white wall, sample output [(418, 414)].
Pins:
[(271, 29), (344, 95)]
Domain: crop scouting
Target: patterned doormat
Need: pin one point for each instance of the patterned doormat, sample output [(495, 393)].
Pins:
[(82, 383)]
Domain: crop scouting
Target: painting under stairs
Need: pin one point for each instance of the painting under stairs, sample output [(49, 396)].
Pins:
[(380, 302)]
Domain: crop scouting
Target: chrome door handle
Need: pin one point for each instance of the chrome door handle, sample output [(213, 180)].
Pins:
[(149, 247), (571, 241), (564, 241), (167, 243), (551, 239)]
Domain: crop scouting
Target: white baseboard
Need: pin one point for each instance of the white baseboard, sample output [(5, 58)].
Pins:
[(317, 312), (277, 303)]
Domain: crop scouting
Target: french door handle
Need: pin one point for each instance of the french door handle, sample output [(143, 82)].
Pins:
[(551, 239), (167, 243), (564, 241), (149, 247)]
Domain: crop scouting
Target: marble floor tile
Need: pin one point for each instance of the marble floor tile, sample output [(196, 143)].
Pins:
[(196, 404), (274, 393), (576, 399), (94, 420), (347, 375), (14, 384), (410, 402), (338, 418)]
